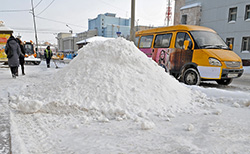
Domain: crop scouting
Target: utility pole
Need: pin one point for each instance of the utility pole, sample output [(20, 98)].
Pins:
[(132, 25), (34, 20)]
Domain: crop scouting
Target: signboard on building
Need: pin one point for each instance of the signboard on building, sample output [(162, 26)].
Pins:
[(3, 41)]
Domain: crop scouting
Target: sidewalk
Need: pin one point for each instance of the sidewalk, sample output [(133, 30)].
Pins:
[(8, 85)]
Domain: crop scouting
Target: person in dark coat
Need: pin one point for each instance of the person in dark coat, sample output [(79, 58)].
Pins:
[(22, 54), (48, 54), (13, 51)]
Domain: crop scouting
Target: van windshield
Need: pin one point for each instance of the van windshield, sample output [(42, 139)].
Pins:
[(208, 40)]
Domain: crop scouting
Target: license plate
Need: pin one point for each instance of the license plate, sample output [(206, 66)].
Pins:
[(232, 75)]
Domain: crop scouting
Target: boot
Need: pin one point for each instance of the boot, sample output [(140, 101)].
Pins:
[(16, 69), (23, 71)]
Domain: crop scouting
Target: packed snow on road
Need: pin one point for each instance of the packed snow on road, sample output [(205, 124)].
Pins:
[(113, 99)]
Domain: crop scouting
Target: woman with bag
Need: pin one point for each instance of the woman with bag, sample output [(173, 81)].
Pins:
[(13, 51)]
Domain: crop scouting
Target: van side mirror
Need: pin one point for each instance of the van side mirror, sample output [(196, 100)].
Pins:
[(186, 44), (231, 46)]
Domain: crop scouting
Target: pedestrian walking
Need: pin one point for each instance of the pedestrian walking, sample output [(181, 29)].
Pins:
[(48, 54), (13, 51), (22, 55)]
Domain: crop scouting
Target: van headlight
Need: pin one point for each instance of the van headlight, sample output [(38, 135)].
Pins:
[(215, 62)]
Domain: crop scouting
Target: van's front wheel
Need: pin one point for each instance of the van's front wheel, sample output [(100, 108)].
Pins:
[(191, 77), (224, 81)]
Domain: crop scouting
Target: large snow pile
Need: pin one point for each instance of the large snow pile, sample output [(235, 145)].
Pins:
[(109, 80)]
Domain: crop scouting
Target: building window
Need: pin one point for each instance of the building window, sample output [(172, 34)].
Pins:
[(230, 41), (245, 44), (247, 13), (184, 19), (232, 14)]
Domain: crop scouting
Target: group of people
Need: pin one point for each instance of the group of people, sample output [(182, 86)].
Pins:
[(15, 52)]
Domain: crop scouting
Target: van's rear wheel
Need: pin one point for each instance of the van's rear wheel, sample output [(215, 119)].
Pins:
[(224, 81), (191, 77)]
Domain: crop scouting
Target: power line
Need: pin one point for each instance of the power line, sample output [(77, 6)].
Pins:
[(32, 32), (65, 23), (38, 3), (46, 8), (31, 29), (14, 10), (113, 6), (149, 20)]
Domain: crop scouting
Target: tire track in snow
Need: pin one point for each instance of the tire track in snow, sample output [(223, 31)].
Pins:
[(36, 130)]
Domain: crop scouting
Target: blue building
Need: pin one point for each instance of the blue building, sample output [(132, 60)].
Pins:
[(108, 25)]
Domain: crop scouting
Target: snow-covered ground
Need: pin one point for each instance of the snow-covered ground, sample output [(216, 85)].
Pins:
[(112, 99)]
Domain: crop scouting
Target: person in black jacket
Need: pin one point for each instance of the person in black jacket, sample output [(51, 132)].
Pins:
[(12, 49), (48, 54), (21, 57)]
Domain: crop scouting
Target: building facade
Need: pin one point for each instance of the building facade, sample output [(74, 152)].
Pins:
[(69, 44), (108, 25), (67, 41), (229, 18), (60, 40), (85, 35)]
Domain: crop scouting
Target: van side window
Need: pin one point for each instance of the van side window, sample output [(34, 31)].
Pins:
[(162, 41), (146, 41), (180, 38)]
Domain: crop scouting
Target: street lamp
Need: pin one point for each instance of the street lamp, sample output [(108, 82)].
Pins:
[(137, 25), (71, 30)]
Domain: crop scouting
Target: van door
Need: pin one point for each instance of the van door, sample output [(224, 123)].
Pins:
[(179, 56), (162, 50), (145, 44)]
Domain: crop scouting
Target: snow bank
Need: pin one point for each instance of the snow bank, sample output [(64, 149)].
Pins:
[(109, 80)]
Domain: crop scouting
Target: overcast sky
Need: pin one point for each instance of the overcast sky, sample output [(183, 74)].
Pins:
[(53, 15)]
